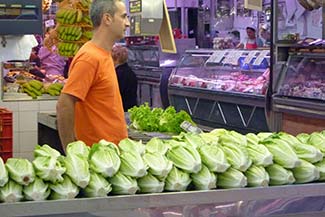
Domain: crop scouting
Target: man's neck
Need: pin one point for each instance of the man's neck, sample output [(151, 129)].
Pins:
[(103, 41)]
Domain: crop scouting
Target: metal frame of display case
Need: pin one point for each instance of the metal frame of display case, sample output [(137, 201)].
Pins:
[(243, 112), (278, 201), (288, 113)]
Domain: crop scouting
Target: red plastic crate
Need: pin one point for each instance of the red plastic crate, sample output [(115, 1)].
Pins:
[(6, 133), (5, 155)]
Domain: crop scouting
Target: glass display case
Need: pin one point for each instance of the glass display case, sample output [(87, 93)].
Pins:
[(230, 71), (223, 88), (303, 77)]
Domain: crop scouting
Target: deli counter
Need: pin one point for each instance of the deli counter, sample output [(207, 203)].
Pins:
[(223, 88)]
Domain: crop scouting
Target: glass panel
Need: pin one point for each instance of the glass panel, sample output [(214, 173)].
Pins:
[(305, 78)]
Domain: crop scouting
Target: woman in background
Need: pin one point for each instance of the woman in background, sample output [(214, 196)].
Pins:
[(251, 41), (127, 80)]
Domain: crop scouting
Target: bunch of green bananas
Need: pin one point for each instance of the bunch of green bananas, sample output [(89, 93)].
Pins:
[(69, 33), (85, 4), (88, 34), (87, 20), (68, 49), (54, 89), (69, 16), (33, 88)]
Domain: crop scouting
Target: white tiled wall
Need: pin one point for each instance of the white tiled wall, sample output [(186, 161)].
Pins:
[(25, 124)]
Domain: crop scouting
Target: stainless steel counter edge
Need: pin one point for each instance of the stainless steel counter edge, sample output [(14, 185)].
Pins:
[(120, 203)]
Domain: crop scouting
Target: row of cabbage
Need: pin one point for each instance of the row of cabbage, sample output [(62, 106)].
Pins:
[(218, 159)]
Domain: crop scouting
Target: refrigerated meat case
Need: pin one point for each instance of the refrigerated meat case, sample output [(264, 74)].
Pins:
[(222, 88), (297, 94)]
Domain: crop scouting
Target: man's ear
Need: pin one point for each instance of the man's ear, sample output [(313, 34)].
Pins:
[(107, 19)]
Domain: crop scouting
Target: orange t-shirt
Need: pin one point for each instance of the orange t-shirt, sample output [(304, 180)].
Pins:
[(99, 113)]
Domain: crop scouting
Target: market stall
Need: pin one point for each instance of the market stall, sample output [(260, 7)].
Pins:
[(298, 92), (223, 88)]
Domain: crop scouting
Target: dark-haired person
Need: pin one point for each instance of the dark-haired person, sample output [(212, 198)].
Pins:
[(127, 80), (251, 41), (90, 105)]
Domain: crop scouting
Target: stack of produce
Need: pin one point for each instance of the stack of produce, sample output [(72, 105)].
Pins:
[(74, 26), (158, 120), (218, 159), (35, 88)]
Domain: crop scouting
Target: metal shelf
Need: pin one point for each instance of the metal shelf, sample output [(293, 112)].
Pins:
[(134, 203)]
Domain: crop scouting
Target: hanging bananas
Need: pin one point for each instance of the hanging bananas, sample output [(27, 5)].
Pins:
[(69, 16), (68, 49), (69, 33)]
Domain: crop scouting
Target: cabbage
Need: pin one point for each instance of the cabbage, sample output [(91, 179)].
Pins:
[(252, 139), (104, 160), (279, 175), (49, 168), (257, 176), (321, 167), (128, 145), (177, 180), (11, 192), (158, 164), (303, 137), (122, 184), (237, 156), (156, 145), (77, 169), (204, 179), (303, 151), (4, 177), (283, 153), (259, 154), (98, 186), (111, 145), (210, 138), (214, 158), (132, 165), (78, 147), (45, 151), (218, 132), (264, 135), (64, 190), (186, 158), (318, 140), (234, 138), (192, 139), (20, 170), (150, 184), (306, 172), (232, 178), (37, 191)]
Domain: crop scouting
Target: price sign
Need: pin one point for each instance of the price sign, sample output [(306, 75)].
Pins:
[(261, 57), (250, 56), (233, 57), (217, 56), (188, 127)]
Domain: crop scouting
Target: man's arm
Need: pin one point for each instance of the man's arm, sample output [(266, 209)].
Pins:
[(65, 109)]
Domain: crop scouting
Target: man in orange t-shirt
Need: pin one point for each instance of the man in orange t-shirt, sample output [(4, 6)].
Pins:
[(90, 106)]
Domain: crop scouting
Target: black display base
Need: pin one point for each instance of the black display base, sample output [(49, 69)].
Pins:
[(49, 136)]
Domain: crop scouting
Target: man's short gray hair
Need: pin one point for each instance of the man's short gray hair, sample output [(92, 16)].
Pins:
[(99, 7)]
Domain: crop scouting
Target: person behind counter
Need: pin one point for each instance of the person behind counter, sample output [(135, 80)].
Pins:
[(90, 105), (251, 41), (265, 34), (51, 61), (127, 80)]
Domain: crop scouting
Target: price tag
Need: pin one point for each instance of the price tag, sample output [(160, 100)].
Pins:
[(188, 127), (250, 56), (233, 57), (49, 23), (261, 57), (217, 56)]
